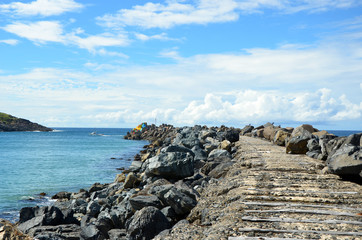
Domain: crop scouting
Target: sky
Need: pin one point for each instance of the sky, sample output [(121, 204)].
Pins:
[(111, 63)]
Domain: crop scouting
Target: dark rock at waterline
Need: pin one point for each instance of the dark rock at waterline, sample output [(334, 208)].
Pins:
[(146, 224), (40, 216)]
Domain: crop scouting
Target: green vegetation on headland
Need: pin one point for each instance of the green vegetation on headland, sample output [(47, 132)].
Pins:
[(9, 123)]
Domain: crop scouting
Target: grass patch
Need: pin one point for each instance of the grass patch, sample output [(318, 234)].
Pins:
[(6, 118)]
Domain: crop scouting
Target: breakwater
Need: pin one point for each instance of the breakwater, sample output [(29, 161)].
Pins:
[(171, 185)]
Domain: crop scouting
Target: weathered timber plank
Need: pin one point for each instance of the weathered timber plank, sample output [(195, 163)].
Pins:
[(320, 212), (282, 204), (299, 231), (292, 220)]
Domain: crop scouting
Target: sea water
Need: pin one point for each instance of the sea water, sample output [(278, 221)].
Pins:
[(66, 159)]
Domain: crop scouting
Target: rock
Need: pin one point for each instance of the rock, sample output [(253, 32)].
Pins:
[(199, 154), (171, 165), (130, 181), (91, 232), (219, 153), (225, 145), (120, 177), (43, 216), (93, 208), (302, 129), (177, 148), (232, 135), (246, 129), (281, 137), (62, 195), (299, 139), (116, 234), (9, 231), (346, 161), (220, 170), (180, 202), (96, 187), (354, 139), (64, 231), (146, 224), (314, 149), (135, 166), (333, 145), (269, 132), (141, 201)]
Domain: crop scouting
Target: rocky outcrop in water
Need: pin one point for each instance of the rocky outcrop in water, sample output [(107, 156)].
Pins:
[(10, 123)]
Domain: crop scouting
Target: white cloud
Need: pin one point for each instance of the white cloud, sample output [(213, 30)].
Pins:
[(247, 106), (178, 12), (95, 41), (42, 32), (162, 36), (38, 32), (41, 7), (10, 41)]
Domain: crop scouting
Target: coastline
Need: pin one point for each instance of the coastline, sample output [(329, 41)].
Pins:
[(177, 164)]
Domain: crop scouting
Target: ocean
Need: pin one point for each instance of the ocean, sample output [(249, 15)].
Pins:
[(66, 159)]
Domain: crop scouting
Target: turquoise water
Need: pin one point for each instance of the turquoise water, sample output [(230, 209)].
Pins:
[(64, 160)]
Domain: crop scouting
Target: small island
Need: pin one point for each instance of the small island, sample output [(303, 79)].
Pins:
[(10, 123)]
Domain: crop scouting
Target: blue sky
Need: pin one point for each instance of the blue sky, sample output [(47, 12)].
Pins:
[(72, 63)]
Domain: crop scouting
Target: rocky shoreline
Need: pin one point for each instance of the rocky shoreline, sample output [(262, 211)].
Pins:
[(159, 191)]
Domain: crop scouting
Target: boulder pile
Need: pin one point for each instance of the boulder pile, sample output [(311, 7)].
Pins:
[(343, 155), (163, 184), (159, 189)]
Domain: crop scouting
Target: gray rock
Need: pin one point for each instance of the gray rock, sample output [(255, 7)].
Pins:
[(69, 232), (354, 139), (141, 201), (135, 166), (346, 161), (180, 202), (116, 234), (146, 224), (299, 139), (93, 208), (43, 216), (219, 153), (220, 170), (177, 148), (246, 129), (171, 165), (232, 135), (199, 153), (91, 232)]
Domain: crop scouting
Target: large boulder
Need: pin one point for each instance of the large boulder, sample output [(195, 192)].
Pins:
[(146, 224), (346, 161), (281, 137), (40, 216), (246, 129), (141, 201), (232, 135), (171, 165), (299, 139), (269, 132), (9, 231)]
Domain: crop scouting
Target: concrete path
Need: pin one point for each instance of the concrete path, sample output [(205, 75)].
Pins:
[(269, 194)]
